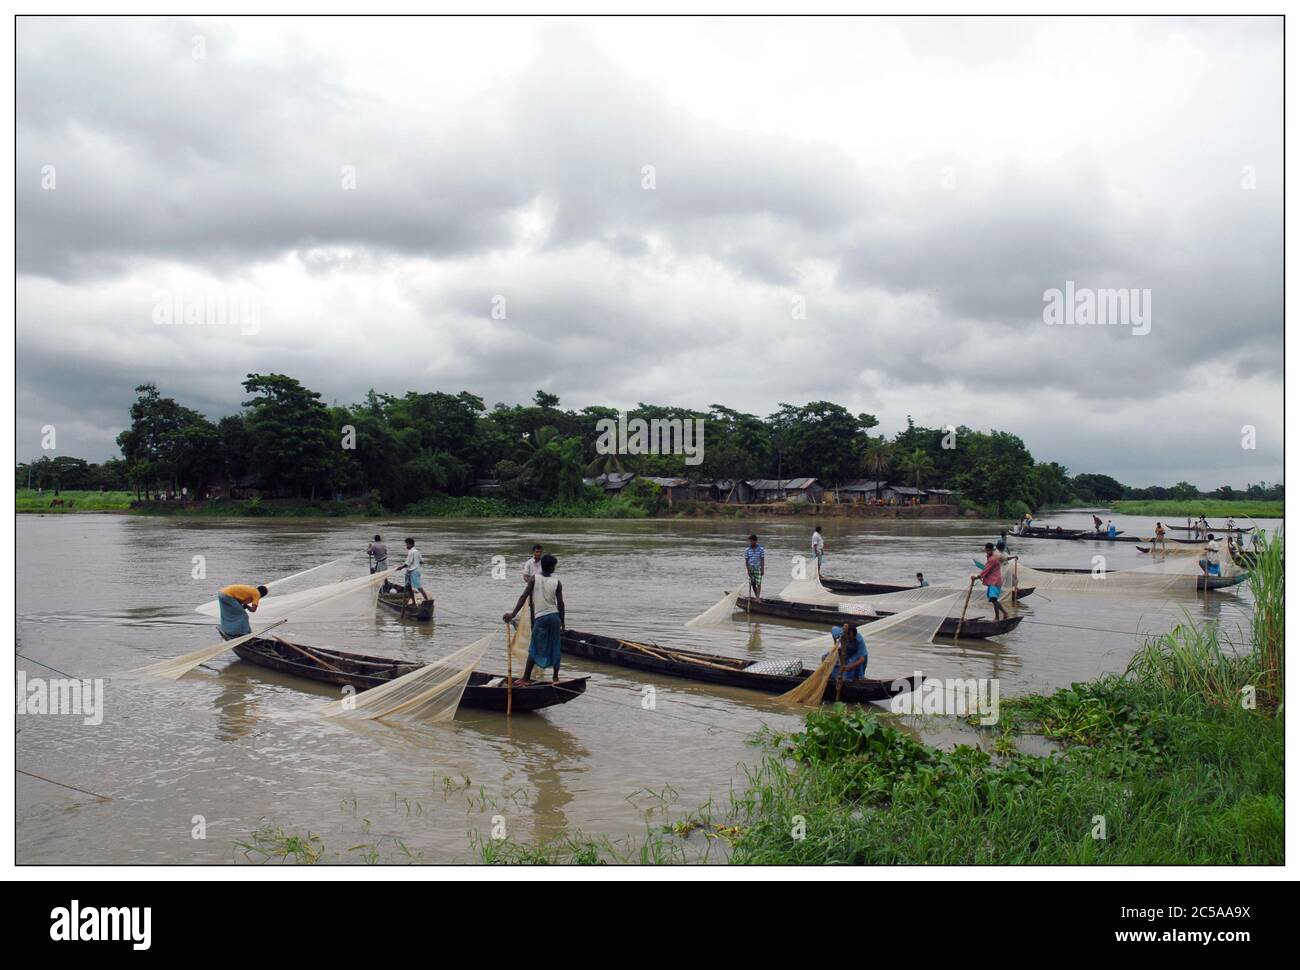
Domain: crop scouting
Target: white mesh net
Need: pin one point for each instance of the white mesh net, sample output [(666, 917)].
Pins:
[(909, 628), (333, 599), (336, 595), (431, 693)]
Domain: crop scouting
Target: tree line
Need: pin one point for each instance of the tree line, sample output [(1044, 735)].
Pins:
[(402, 449)]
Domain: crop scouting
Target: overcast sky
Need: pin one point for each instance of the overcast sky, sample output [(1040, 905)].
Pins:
[(915, 185)]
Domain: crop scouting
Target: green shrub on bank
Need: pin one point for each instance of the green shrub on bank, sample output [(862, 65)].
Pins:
[(1175, 509)]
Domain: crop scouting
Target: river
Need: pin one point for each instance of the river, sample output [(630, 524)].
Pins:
[(194, 767)]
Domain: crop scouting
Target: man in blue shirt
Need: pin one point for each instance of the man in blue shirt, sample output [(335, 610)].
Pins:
[(755, 566), (855, 653)]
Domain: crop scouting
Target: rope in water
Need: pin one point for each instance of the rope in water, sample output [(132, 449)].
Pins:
[(103, 798), (24, 656)]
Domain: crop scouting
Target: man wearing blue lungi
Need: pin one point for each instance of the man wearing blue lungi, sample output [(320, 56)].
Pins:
[(236, 602)]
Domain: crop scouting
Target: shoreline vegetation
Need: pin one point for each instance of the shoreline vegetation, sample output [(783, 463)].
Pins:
[(436, 454), (644, 505), (1175, 509)]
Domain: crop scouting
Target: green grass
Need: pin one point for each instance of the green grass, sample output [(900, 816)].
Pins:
[(1211, 508), (74, 501)]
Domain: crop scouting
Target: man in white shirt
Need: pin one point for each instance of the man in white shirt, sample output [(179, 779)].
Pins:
[(818, 548), (1210, 564), (533, 566), (414, 561)]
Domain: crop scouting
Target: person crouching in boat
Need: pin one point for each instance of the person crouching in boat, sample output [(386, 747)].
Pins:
[(544, 595), (852, 664), (1210, 564), (990, 575), (236, 602), (414, 581)]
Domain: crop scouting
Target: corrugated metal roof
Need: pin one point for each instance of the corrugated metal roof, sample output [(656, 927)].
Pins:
[(773, 485)]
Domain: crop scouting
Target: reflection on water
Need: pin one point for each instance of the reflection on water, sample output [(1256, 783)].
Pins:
[(236, 744)]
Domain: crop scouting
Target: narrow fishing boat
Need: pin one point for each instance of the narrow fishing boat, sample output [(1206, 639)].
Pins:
[(727, 671), (878, 589), (974, 628), (1214, 582), (394, 597), (483, 692)]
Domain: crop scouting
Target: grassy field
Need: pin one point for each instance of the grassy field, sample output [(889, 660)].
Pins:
[(1212, 509), (1177, 761), (28, 501)]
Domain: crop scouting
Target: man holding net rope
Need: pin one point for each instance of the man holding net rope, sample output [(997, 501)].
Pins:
[(990, 575)]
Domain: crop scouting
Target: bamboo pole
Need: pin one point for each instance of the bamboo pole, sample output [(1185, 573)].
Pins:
[(510, 671), (839, 650), (962, 621)]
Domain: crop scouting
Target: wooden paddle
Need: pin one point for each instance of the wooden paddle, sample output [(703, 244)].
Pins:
[(962, 621)]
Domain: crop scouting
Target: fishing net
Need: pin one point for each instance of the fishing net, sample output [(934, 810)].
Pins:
[(875, 604), (909, 628), (717, 614), (431, 693), (331, 599), (1171, 574), (316, 599)]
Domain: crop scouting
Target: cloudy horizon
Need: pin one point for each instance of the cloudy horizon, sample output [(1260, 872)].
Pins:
[(682, 212)]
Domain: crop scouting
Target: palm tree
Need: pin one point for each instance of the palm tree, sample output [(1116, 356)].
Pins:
[(878, 459), (917, 464)]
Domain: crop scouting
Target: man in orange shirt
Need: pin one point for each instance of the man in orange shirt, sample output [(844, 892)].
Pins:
[(236, 602)]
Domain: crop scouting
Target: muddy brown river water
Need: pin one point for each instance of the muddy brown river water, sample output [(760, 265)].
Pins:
[(213, 750)]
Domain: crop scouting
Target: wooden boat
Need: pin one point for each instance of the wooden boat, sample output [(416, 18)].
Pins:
[(394, 597), (363, 672), (878, 589), (714, 669), (1214, 528), (1215, 582), (975, 628), (1037, 532)]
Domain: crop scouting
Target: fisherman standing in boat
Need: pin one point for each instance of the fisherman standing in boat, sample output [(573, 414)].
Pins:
[(1096, 523), (378, 553), (533, 564), (755, 566), (818, 548), (236, 602), (1210, 564), (412, 565), (1160, 536), (991, 576), (852, 664), (544, 595)]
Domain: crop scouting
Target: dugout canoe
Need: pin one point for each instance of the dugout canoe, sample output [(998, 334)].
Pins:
[(1216, 582), (361, 672), (394, 597), (879, 589), (711, 668), (975, 628)]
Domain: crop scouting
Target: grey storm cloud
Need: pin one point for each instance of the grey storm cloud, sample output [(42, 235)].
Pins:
[(649, 251)]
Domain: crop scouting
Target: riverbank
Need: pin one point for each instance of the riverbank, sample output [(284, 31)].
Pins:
[(461, 507), (1213, 509), (1178, 761)]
